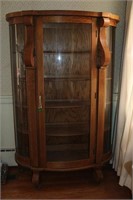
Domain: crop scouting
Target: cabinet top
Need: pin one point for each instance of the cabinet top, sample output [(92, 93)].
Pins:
[(61, 13)]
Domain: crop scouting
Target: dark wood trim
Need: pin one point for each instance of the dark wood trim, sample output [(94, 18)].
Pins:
[(62, 13), (16, 20), (31, 102), (40, 99), (27, 20), (66, 166), (103, 52), (66, 19), (103, 59), (57, 166), (101, 113), (31, 91), (62, 166), (29, 47), (93, 91)]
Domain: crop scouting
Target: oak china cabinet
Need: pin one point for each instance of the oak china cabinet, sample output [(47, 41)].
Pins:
[(62, 73)]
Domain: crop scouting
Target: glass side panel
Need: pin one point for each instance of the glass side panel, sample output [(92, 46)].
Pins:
[(108, 97), (67, 49), (19, 89)]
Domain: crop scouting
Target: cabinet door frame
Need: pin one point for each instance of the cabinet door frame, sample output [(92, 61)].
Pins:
[(39, 21), (40, 91)]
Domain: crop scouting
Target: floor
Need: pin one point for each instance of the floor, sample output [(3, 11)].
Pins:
[(64, 185)]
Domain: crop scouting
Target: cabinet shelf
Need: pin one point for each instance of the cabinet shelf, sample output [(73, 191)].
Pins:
[(66, 52), (66, 124), (65, 147), (64, 130), (69, 155), (74, 78), (65, 103), (66, 133), (63, 106)]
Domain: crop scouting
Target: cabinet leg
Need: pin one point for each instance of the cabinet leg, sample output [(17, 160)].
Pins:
[(98, 175), (35, 178)]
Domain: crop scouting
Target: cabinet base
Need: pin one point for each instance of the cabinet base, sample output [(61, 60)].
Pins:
[(97, 169)]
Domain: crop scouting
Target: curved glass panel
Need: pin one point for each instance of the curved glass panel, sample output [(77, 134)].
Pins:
[(108, 95), (19, 89)]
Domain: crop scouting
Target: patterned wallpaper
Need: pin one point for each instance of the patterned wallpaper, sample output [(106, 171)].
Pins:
[(114, 6)]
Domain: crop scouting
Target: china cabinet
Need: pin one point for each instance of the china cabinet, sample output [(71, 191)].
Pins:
[(62, 76)]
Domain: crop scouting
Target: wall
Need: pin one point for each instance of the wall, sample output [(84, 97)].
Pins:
[(114, 6)]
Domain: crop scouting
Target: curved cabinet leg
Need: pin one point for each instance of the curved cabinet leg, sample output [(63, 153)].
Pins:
[(35, 178), (98, 175)]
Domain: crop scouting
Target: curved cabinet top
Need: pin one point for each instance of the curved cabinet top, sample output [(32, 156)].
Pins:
[(62, 13)]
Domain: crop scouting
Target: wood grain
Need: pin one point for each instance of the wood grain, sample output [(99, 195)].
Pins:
[(63, 13), (65, 185)]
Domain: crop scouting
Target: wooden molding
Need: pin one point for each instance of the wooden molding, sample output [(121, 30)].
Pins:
[(103, 22), (29, 42), (28, 20), (62, 13), (103, 52)]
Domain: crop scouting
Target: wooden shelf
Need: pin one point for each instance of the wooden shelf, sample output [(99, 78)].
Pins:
[(66, 124), (67, 129), (67, 155), (80, 124), (62, 106), (66, 52), (74, 78), (66, 133), (66, 103), (65, 147)]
